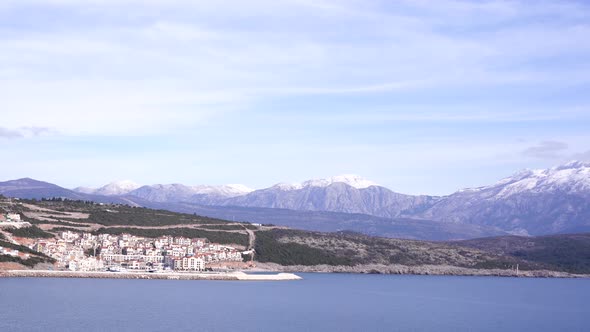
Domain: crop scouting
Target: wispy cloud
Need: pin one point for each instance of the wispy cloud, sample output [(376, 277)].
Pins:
[(25, 132), (584, 156), (546, 150), (9, 133)]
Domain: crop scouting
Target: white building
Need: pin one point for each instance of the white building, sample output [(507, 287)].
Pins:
[(14, 217), (189, 263), (69, 236), (85, 264)]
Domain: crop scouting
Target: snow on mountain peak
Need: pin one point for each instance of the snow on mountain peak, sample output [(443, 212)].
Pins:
[(124, 184), (117, 188), (288, 186), (229, 190), (349, 179), (574, 164), (570, 177), (113, 188), (239, 188)]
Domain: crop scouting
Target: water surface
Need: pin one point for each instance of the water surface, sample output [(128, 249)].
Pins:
[(320, 302)]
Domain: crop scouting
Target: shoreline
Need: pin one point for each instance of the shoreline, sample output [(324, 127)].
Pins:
[(276, 272), (231, 276), (435, 270)]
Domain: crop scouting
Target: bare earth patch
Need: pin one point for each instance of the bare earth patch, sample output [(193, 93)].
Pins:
[(11, 266)]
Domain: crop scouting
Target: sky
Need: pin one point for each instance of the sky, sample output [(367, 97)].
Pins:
[(423, 97)]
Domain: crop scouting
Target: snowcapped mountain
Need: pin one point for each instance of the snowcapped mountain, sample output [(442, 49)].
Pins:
[(532, 202), (352, 180), (173, 193), (346, 193), (228, 190), (529, 202), (163, 192), (571, 178), (115, 188), (343, 193)]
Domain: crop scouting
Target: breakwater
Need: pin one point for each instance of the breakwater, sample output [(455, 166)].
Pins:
[(236, 276)]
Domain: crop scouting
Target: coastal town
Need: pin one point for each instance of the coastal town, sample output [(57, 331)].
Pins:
[(88, 252), (83, 251)]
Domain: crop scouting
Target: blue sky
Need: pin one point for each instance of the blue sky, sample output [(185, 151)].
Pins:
[(419, 96)]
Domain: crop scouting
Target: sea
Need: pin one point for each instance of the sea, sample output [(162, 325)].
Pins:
[(319, 302)]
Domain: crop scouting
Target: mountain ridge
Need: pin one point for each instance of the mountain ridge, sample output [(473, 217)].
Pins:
[(529, 202)]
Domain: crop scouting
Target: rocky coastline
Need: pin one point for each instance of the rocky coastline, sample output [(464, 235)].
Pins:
[(417, 270)]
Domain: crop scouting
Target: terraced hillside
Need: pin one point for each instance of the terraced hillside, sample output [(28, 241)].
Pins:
[(51, 216)]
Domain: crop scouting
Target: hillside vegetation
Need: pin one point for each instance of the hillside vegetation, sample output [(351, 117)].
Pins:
[(293, 247), (568, 252), (30, 232)]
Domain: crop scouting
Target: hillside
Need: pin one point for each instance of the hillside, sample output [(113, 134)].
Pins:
[(58, 215), (292, 247), (568, 252), (335, 197), (289, 247)]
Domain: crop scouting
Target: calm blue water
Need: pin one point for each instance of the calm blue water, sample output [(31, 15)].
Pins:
[(320, 302)]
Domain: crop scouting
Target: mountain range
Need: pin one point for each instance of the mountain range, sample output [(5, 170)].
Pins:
[(530, 202)]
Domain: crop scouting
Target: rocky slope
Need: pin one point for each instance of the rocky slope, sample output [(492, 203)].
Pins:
[(531, 202), (344, 252), (173, 193), (335, 197)]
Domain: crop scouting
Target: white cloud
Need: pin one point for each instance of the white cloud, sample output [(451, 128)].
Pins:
[(109, 107)]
